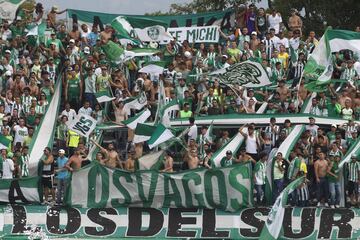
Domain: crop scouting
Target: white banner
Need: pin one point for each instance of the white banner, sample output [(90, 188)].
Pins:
[(209, 34), (8, 8), (83, 125)]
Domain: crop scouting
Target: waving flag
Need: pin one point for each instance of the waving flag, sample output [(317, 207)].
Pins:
[(143, 132), (145, 29), (8, 8), (4, 142), (154, 68), (136, 103), (274, 222), (248, 74), (161, 135), (319, 66), (103, 96), (138, 118)]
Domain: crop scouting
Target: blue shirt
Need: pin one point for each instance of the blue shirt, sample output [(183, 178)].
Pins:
[(61, 161), (92, 38)]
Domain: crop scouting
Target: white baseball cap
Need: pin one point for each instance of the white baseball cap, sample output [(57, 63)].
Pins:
[(8, 73), (86, 50), (254, 33), (72, 41), (62, 151)]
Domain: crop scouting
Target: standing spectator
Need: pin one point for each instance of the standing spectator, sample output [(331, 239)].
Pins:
[(274, 20), (279, 170), (251, 141), (259, 178), (353, 168), (62, 176), (21, 131), (48, 175), (333, 179), (321, 167), (192, 134), (295, 22), (8, 165), (24, 162)]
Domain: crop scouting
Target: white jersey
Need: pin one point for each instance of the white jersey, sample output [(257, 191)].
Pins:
[(8, 168), (71, 114), (20, 133)]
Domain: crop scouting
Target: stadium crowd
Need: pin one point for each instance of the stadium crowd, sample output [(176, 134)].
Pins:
[(31, 66)]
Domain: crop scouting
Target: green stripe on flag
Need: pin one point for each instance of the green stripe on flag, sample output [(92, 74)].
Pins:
[(4, 142), (44, 134), (138, 118), (161, 135)]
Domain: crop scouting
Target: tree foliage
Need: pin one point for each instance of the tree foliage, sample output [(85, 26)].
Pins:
[(322, 13)]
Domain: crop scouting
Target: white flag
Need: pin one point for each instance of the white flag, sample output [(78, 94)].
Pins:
[(82, 124)]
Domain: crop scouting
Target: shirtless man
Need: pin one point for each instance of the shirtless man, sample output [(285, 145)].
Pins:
[(113, 160), (283, 90), (243, 157), (106, 35), (130, 162), (303, 92), (74, 162), (321, 167), (100, 158), (193, 160), (168, 163)]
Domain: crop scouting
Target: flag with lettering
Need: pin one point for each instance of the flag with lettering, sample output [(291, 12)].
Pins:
[(82, 124)]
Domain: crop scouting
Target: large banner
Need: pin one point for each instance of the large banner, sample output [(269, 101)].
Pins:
[(197, 28), (23, 190), (116, 223), (228, 189)]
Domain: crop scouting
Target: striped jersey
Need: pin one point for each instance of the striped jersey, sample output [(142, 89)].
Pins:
[(353, 171)]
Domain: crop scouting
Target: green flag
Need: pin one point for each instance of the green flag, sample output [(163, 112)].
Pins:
[(4, 142), (114, 52)]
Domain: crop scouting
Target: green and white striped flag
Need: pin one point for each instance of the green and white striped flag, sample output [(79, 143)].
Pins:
[(233, 145), (136, 103), (161, 135), (30, 188), (103, 96), (4, 142), (141, 117), (319, 66), (151, 161), (165, 111), (273, 225), (44, 134), (269, 175), (8, 8), (143, 132)]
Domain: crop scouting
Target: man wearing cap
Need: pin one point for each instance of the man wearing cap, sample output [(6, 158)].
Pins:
[(227, 160), (62, 176), (353, 168)]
